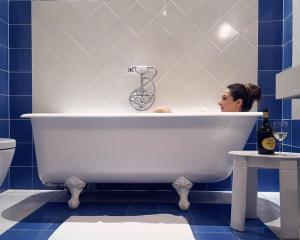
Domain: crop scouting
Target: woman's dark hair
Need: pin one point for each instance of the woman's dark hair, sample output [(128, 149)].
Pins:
[(248, 92)]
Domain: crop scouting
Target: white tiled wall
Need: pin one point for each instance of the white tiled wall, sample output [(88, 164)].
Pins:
[(82, 49)]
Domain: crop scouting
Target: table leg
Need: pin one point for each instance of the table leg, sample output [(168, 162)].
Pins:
[(289, 203), (238, 204), (251, 203)]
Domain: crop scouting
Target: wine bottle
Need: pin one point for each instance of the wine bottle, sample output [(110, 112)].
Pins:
[(265, 138)]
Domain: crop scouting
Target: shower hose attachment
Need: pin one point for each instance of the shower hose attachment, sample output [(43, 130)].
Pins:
[(143, 97)]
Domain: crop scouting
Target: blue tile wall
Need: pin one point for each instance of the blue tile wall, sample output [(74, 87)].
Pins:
[(268, 180), (3, 82), (20, 36), (270, 62), (21, 177), (269, 57), (23, 157), (4, 33), (286, 108), (4, 58), (20, 93), (295, 133), (266, 81), (20, 12), (274, 105), (288, 55), (287, 61), (4, 107), (20, 84), (288, 8), (270, 32), (4, 127), (4, 11), (21, 130), (20, 105), (288, 29), (4, 77), (270, 10), (20, 59)]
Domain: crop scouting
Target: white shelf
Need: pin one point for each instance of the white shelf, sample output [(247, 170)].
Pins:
[(288, 83)]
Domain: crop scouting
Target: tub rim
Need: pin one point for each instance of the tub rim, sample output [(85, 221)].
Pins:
[(142, 115)]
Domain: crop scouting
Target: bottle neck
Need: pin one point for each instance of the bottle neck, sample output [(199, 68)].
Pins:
[(265, 121)]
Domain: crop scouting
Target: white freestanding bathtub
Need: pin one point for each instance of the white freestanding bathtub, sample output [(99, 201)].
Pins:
[(138, 148)]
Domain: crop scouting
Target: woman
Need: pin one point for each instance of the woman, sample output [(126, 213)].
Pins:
[(239, 97)]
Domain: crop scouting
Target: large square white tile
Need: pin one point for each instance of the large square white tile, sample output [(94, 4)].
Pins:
[(136, 18), (222, 33), (240, 16)]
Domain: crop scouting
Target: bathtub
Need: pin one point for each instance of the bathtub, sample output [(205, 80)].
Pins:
[(138, 148)]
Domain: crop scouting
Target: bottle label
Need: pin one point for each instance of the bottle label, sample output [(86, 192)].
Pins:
[(268, 143)]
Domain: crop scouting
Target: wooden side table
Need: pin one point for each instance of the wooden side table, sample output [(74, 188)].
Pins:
[(244, 189)]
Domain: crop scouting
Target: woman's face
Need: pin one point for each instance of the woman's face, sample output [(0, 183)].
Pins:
[(227, 103)]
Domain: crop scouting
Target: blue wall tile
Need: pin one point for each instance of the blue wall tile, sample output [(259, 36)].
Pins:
[(288, 8), (274, 106), (251, 146), (4, 126), (3, 82), (288, 55), (296, 133), (270, 58), (4, 10), (21, 130), (20, 105), (20, 91), (21, 177), (20, 12), (3, 107), (20, 84), (23, 155), (288, 29), (3, 33), (266, 81), (268, 180), (3, 58), (20, 60), (20, 36), (270, 33), (286, 109), (270, 10)]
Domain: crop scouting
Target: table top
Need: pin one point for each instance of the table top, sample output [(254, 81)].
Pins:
[(285, 155)]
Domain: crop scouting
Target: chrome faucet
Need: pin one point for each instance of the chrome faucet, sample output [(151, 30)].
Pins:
[(143, 97)]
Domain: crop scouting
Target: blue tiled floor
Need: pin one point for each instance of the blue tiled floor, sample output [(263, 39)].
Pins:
[(207, 221)]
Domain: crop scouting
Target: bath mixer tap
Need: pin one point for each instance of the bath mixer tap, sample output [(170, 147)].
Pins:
[(143, 97)]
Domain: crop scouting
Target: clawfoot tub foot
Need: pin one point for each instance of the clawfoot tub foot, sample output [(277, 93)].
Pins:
[(75, 185), (182, 187)]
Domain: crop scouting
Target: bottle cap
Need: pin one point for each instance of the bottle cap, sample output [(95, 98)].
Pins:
[(265, 113)]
